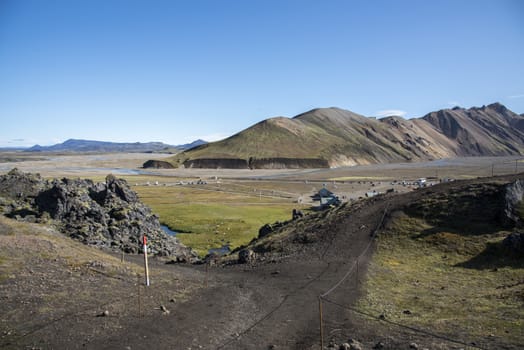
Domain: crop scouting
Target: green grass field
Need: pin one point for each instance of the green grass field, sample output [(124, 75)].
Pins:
[(211, 216), (466, 286)]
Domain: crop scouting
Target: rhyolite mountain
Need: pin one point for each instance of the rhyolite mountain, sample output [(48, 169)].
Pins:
[(74, 145), (333, 137)]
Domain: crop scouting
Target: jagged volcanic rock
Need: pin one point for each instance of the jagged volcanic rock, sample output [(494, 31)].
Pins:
[(104, 214)]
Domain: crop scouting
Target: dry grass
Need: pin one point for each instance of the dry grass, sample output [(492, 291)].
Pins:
[(28, 242), (436, 278)]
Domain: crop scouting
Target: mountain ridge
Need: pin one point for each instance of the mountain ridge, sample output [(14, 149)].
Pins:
[(80, 145), (339, 137)]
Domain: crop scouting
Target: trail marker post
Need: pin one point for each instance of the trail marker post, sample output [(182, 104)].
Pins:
[(145, 260)]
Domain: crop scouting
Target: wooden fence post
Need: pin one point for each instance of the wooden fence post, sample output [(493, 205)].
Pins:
[(321, 323)]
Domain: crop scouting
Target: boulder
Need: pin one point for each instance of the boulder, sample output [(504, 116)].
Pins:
[(270, 228), (265, 230), (514, 194), (354, 344), (515, 242), (246, 256)]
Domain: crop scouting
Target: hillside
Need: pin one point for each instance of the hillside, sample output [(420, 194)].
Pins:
[(58, 293), (446, 271), (332, 137)]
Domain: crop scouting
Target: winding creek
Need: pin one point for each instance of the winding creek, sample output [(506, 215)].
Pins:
[(225, 249), (168, 230)]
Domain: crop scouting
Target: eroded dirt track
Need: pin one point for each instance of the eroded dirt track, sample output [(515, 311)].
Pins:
[(264, 304)]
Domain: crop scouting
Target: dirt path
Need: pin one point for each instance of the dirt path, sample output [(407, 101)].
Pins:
[(255, 307), (242, 307)]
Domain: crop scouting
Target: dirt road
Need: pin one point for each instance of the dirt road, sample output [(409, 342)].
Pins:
[(261, 306)]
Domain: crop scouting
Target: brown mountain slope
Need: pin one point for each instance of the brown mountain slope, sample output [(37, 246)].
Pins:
[(486, 131), (335, 137)]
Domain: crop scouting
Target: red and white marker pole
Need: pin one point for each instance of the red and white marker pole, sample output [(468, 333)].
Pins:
[(145, 260)]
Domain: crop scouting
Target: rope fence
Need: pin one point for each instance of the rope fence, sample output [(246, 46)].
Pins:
[(410, 328), (323, 301)]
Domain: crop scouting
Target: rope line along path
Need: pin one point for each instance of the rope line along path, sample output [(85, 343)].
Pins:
[(323, 297), (355, 264), (346, 275), (302, 287), (275, 309), (416, 330), (282, 302)]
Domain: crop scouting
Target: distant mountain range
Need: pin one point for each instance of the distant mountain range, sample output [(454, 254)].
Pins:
[(73, 145), (332, 137)]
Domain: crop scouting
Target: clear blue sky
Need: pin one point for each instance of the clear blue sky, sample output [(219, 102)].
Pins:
[(175, 71)]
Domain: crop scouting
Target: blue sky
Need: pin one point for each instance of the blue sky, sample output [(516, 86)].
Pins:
[(175, 71)]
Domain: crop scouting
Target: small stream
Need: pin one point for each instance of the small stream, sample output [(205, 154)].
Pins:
[(168, 230), (225, 249)]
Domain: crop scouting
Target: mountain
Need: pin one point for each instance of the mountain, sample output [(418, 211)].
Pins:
[(490, 130), (332, 137), (73, 145), (193, 144)]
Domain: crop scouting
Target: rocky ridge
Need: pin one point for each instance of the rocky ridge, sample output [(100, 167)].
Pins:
[(333, 137), (108, 215)]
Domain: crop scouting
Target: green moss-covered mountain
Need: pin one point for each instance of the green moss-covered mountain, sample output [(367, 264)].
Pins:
[(331, 137)]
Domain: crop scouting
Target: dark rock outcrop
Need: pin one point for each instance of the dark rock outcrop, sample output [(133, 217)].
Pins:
[(16, 184), (256, 163), (268, 229), (157, 164), (515, 242), (106, 214), (513, 201), (216, 163), (287, 163)]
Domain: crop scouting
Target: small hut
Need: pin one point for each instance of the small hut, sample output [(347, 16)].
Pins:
[(326, 198)]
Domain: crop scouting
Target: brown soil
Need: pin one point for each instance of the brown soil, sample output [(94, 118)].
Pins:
[(54, 293)]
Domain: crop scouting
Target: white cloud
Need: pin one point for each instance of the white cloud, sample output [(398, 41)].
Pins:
[(516, 96), (390, 112), (454, 103)]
